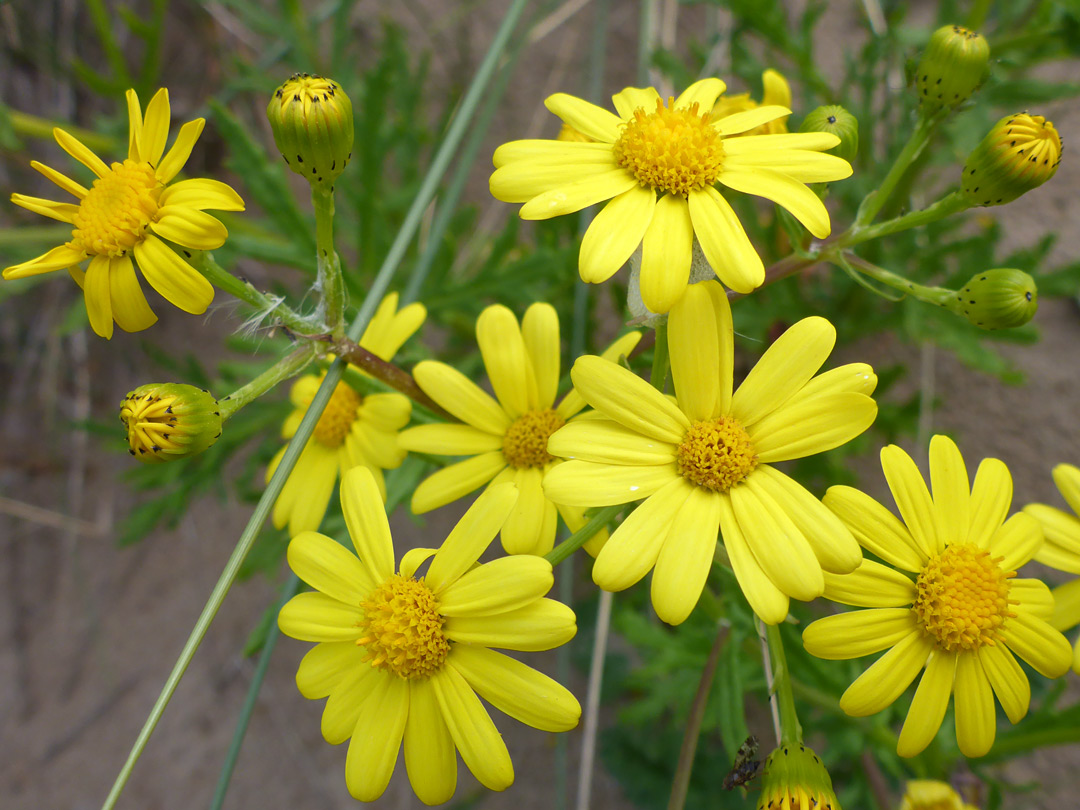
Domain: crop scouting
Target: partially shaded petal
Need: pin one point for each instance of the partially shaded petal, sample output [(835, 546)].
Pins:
[(347, 697), (373, 751), (503, 349), (951, 489), (98, 296), (786, 192), (621, 395), (452, 482), (858, 633), (523, 532), (586, 118), (801, 165), (1066, 613), (62, 180), (870, 585), (365, 517), (583, 483), (856, 378), (631, 99), (991, 497), (129, 306), (177, 281), (461, 396), (56, 259), (317, 617), (888, 677), (812, 426), (550, 151), (430, 759), (766, 600), (521, 180), (449, 440), (686, 556), (694, 349), (62, 212), (501, 585), (134, 124), (875, 527), (178, 155), (615, 234), (471, 536), (189, 227), (328, 567), (202, 193), (748, 144), (1034, 640), (1016, 540), (1067, 479), (542, 625), (607, 442), (540, 331), (912, 498), (703, 92), (1008, 680), (750, 119), (724, 242), (618, 349), (581, 194), (74, 147), (929, 704), (325, 665), (976, 720), (481, 746), (1062, 532)]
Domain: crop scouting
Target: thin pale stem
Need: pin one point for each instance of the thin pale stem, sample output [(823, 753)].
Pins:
[(599, 520), (285, 368), (661, 360), (790, 731), (330, 282), (592, 700)]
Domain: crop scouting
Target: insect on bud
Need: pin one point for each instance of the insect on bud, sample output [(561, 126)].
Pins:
[(167, 421), (953, 66), (997, 299), (312, 120), (837, 121), (1020, 153), (794, 776)]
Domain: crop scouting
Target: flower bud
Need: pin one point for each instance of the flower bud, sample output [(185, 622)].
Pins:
[(928, 794), (837, 121), (167, 421), (794, 777), (312, 120), (997, 299), (953, 66), (1020, 153)]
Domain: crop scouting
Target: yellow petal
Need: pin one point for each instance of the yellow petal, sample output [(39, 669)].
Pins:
[(748, 144), (190, 228), (786, 192), (575, 520), (858, 633), (725, 335), (430, 759), (177, 281), (520, 181), (449, 440), (621, 395), (801, 165), (583, 483), (1017, 541), (619, 348), (855, 378), (581, 194), (302, 502), (929, 704), (750, 119), (870, 585), (607, 442), (348, 696), (315, 616), (329, 567), (460, 396), (875, 527), (991, 497), (540, 331), (976, 720), (1062, 532), (98, 296), (912, 498), (787, 365), (776, 89), (1044, 648), (517, 689), (65, 182), (503, 349), (504, 584), (74, 147), (456, 480), (695, 353), (481, 746), (471, 536), (523, 532), (703, 92), (56, 259), (1067, 479), (1008, 680), (542, 625), (365, 518), (586, 118), (325, 665), (134, 124), (62, 212), (766, 600), (632, 99), (544, 150), (724, 242), (615, 234), (200, 193), (951, 489), (812, 426), (178, 155), (373, 751), (667, 253), (888, 677), (1066, 612), (155, 129), (686, 556), (129, 306)]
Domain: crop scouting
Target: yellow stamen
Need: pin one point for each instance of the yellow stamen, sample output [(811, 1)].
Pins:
[(403, 628), (717, 454), (337, 420), (963, 598), (115, 213), (672, 150), (525, 441)]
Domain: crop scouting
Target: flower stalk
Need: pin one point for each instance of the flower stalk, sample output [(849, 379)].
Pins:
[(781, 696), (873, 203), (246, 292), (330, 281), (285, 368)]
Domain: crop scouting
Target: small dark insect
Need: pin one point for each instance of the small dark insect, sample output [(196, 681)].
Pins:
[(747, 766)]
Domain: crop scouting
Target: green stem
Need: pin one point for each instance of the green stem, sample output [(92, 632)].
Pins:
[(330, 282), (660, 360), (920, 137), (948, 205), (245, 291), (283, 369), (397, 378), (681, 784), (931, 295), (581, 536), (292, 587), (790, 730)]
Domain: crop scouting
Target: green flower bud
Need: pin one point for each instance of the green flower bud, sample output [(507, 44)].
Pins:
[(953, 66), (794, 777), (167, 421), (1020, 153), (837, 121), (312, 120), (997, 299)]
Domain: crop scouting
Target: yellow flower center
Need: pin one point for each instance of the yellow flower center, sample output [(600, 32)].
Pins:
[(671, 150), (717, 454), (963, 598), (116, 211), (525, 442), (402, 628), (150, 422), (337, 420)]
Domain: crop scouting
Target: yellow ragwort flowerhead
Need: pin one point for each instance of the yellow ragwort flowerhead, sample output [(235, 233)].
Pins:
[(929, 794), (794, 778), (1062, 549), (401, 656), (507, 440), (947, 599), (1020, 153), (129, 209), (354, 429), (704, 462), (169, 421), (777, 93), (659, 165)]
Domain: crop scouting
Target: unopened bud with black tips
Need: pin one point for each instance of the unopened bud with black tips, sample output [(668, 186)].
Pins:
[(1002, 298), (1021, 152), (837, 121), (954, 64), (794, 777), (312, 120), (167, 421)]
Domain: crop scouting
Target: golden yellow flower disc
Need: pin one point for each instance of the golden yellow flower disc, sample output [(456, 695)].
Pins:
[(671, 150), (116, 211), (717, 454), (525, 441), (963, 598), (337, 420), (403, 629)]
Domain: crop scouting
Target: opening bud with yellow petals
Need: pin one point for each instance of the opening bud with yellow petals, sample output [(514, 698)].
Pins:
[(953, 66), (794, 778), (1001, 298), (167, 421), (929, 794), (1020, 153), (312, 120), (837, 121)]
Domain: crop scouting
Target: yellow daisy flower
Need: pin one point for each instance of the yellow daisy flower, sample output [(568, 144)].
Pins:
[(507, 439), (659, 165), (962, 616), (777, 93), (125, 215), (1062, 549), (354, 429), (704, 462), (401, 656), (929, 794)]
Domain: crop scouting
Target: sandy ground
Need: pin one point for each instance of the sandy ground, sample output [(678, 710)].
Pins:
[(89, 632)]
